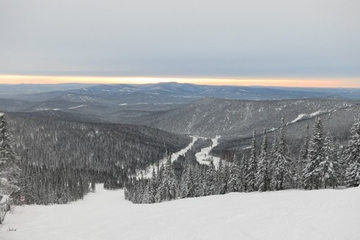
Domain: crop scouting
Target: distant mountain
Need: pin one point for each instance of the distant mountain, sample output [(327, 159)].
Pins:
[(122, 102), (17, 90)]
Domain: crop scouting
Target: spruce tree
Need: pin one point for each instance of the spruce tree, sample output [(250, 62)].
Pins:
[(282, 172), (299, 168), (252, 170), (244, 166), (263, 173), (9, 169), (210, 179), (234, 182), (353, 157), (330, 166), (312, 174), (168, 183)]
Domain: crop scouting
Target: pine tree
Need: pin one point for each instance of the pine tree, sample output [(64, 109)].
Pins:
[(312, 174), (186, 185), (168, 183), (263, 173), (299, 168), (273, 162), (252, 170), (353, 157), (244, 166), (9, 169), (330, 166), (210, 179), (282, 172), (234, 182)]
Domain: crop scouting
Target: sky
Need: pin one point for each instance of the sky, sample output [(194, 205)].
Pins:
[(258, 42)]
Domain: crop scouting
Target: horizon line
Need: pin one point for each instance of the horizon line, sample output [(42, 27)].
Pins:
[(294, 82)]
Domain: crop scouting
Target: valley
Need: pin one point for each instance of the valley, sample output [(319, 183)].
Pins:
[(182, 142)]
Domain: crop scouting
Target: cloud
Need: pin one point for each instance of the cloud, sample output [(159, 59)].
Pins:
[(180, 38)]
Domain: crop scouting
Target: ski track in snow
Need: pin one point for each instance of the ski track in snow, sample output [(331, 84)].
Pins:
[(301, 116), (148, 172), (204, 156), (80, 106), (105, 215)]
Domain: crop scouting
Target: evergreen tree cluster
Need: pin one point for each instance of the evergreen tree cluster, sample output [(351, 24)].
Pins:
[(322, 163), (61, 161), (9, 166), (47, 185)]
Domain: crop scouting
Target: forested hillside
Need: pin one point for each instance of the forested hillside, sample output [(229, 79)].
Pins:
[(59, 159), (321, 163), (211, 116)]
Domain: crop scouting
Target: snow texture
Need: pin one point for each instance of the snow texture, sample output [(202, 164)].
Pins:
[(80, 106), (291, 214), (204, 157), (302, 116)]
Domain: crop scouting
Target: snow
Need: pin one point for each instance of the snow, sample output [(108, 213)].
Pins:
[(292, 214), (148, 172), (302, 116), (315, 113), (3, 198), (80, 106), (204, 157)]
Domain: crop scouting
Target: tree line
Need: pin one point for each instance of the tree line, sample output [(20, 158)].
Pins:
[(322, 163), (60, 161)]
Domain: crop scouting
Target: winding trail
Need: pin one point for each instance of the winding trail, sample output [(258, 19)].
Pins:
[(204, 157), (148, 172)]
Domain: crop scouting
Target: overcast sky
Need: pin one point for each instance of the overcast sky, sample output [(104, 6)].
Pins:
[(197, 38)]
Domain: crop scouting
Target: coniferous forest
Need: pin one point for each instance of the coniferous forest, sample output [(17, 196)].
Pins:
[(60, 161), (73, 157), (322, 163)]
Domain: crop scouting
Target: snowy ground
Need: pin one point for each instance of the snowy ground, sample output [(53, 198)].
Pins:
[(204, 156), (323, 214)]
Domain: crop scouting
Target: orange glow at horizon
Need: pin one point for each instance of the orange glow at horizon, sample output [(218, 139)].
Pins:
[(275, 82)]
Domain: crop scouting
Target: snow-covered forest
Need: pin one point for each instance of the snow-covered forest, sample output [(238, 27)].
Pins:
[(322, 163), (49, 159)]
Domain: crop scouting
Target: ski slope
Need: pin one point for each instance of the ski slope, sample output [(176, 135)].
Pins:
[(204, 157), (105, 215), (149, 171)]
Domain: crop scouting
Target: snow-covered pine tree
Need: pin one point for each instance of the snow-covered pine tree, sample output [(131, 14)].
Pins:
[(282, 174), (219, 179), (199, 180), (353, 157), (244, 166), (159, 180), (340, 154), (299, 167), (168, 183), (330, 166), (252, 170), (210, 179), (234, 182), (9, 169), (263, 173), (273, 161), (312, 174)]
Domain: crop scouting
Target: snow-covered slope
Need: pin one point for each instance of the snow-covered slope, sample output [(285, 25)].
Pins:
[(204, 157), (324, 214)]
